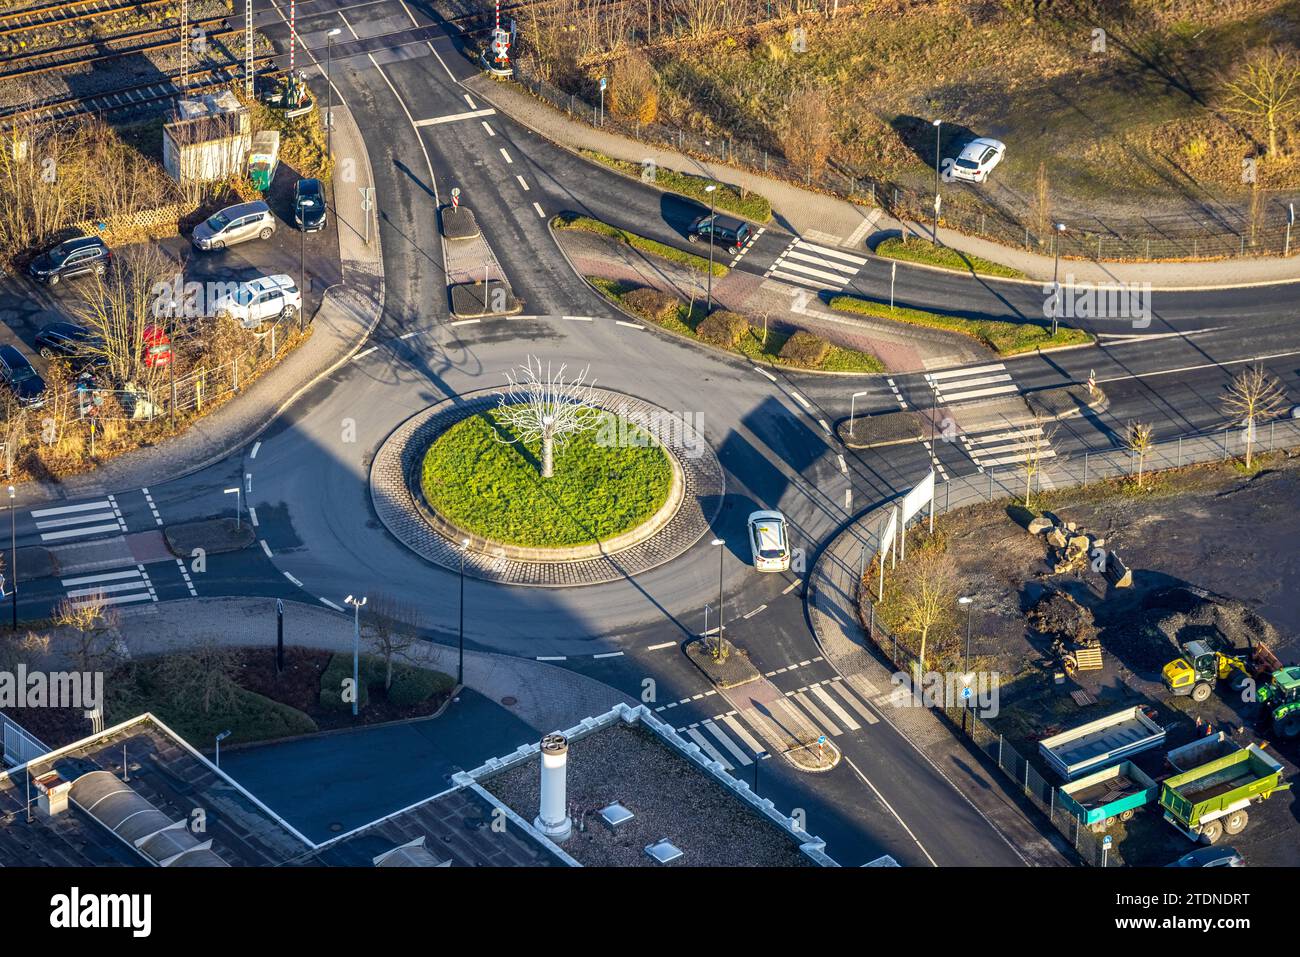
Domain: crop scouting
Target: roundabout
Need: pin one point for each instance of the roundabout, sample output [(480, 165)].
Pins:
[(632, 493)]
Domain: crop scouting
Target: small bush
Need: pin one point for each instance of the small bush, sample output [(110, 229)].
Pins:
[(413, 685), (331, 683), (805, 349), (722, 328), (652, 305)]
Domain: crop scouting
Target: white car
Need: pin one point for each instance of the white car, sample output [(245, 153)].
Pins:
[(977, 159), (769, 541), (260, 300)]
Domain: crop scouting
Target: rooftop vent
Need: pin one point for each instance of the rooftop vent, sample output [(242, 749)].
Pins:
[(615, 814), (664, 851), (552, 818)]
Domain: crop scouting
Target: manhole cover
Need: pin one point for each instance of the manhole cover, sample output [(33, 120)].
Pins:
[(509, 702)]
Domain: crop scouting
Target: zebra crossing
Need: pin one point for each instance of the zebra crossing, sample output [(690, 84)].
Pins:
[(101, 517), (978, 382), (119, 586), (734, 739), (1006, 446), (815, 267)]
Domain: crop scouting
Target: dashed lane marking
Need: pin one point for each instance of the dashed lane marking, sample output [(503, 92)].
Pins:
[(326, 601), (294, 580), (552, 658), (506, 156), (252, 515), (751, 614), (540, 212), (666, 644), (256, 447), (609, 654), (265, 547), (185, 574), (523, 183), (152, 507)]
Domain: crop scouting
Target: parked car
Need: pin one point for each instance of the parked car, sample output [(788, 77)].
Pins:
[(233, 225), (769, 542), (157, 347), (1210, 857), (74, 257), (309, 205), (260, 300), (23, 381), (1295, 411), (724, 230), (977, 159), (67, 340)]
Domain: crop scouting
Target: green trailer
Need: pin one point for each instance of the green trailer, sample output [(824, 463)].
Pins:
[(1211, 799)]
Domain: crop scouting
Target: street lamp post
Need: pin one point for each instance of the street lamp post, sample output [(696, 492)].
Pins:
[(356, 604), (220, 737), (329, 92), (460, 664), (717, 646), (937, 125), (708, 308), (969, 602), (853, 401), (1056, 286), (13, 561)]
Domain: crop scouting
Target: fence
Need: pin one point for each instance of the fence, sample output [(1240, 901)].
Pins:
[(19, 745), (1219, 231), (1096, 464)]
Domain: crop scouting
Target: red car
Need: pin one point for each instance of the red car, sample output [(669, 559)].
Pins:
[(157, 347)]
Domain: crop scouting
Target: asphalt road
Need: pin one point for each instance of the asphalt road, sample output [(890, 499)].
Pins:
[(319, 539)]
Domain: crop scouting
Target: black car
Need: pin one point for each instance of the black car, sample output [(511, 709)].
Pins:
[(1210, 857), (67, 340), (76, 257), (723, 230), (24, 381), (309, 205)]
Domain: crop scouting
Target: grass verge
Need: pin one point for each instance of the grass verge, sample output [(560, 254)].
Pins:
[(651, 246), (726, 197), (1004, 338), (475, 476), (926, 252), (683, 320)]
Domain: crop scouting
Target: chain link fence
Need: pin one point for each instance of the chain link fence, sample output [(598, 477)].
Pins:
[(1080, 470), (1220, 231)]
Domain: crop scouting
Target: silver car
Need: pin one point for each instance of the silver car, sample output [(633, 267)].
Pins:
[(235, 224)]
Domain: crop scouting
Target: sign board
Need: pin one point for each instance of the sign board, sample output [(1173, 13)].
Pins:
[(603, 83), (887, 536), (913, 502)]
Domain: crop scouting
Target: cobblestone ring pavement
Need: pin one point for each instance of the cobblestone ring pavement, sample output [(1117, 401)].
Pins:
[(395, 505)]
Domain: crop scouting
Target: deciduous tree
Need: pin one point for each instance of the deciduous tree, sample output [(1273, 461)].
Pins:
[(1253, 396)]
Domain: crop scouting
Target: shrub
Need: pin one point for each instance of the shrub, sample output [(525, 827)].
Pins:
[(722, 328), (653, 305), (413, 685), (805, 349), (331, 683)]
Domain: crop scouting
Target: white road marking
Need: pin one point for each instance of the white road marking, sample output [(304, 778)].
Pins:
[(252, 515), (751, 614), (552, 658), (709, 749), (265, 547), (723, 739), (488, 126), (631, 325), (538, 207), (609, 654), (801, 400), (506, 155), (292, 579), (666, 644), (452, 118), (523, 183), (364, 353), (256, 446), (326, 601)]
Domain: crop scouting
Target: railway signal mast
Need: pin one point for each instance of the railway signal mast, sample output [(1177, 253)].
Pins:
[(248, 49), (500, 42), (185, 45)]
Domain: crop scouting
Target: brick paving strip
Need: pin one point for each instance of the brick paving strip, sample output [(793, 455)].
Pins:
[(348, 313)]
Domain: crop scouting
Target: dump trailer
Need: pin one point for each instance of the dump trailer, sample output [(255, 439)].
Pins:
[(1101, 743), (1212, 798), (1201, 751), (1101, 799)]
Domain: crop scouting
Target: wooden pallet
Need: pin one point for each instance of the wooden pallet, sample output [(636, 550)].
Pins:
[(1089, 659)]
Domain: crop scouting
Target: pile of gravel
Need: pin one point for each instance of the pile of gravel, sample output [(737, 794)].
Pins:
[(1171, 617)]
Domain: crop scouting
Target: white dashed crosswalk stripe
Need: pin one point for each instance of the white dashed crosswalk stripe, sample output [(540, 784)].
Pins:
[(815, 267), (727, 743), (119, 587), (822, 721), (1004, 446), (83, 519), (978, 382), (833, 706), (708, 749), (853, 702)]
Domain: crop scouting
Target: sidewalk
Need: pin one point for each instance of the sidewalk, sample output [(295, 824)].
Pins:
[(825, 219), (546, 697), (347, 315)]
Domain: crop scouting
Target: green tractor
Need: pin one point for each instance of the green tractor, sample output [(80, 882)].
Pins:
[(1280, 701)]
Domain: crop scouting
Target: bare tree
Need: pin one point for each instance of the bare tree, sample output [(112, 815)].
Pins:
[(200, 676), (121, 304), (392, 628), (928, 596), (1266, 91), (1035, 449), (808, 131), (1138, 440), (89, 629), (13, 431), (1253, 396), (635, 90), (546, 407)]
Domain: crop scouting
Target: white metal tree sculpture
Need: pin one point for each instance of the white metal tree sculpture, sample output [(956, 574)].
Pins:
[(544, 405)]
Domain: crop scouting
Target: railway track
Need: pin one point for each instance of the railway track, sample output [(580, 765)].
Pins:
[(133, 97), (47, 61), (70, 11)]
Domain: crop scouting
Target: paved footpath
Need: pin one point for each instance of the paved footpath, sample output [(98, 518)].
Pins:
[(827, 219), (546, 696), (348, 313)]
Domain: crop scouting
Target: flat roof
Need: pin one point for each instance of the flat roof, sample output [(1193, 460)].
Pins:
[(642, 764), (164, 771)]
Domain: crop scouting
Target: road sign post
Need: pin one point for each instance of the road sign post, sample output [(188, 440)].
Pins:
[(455, 198), (604, 81), (279, 635)]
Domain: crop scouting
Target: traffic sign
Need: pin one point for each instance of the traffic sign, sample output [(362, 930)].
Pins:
[(603, 83), (965, 692), (455, 198)]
